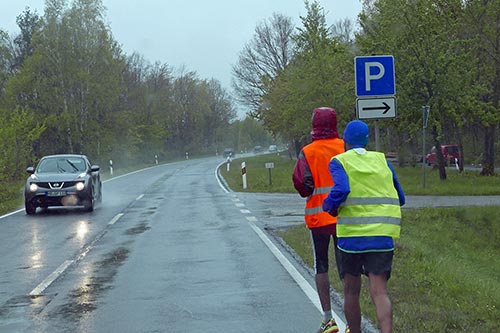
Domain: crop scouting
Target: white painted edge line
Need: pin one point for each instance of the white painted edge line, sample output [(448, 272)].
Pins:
[(294, 273), (12, 213), (245, 211), (136, 171), (239, 205), (251, 218), (139, 197), (218, 180), (51, 278), (115, 219)]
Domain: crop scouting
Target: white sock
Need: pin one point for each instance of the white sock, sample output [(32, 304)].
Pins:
[(327, 315)]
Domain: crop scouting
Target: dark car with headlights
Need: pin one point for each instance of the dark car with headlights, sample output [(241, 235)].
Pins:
[(62, 180)]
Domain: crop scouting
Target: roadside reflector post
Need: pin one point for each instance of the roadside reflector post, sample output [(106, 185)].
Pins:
[(244, 174), (111, 167), (270, 166), (228, 163)]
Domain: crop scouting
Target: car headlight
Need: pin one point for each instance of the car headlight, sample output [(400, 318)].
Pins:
[(80, 186), (33, 187)]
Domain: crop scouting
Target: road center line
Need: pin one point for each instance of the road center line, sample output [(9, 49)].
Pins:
[(51, 278), (115, 219), (60, 270)]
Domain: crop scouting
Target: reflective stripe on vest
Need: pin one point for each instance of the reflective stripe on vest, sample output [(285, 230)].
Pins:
[(372, 207), (318, 155)]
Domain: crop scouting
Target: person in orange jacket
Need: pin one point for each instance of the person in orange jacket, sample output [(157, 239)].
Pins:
[(312, 180)]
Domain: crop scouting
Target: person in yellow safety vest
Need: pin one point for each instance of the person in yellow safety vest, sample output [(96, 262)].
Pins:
[(312, 180), (367, 199)]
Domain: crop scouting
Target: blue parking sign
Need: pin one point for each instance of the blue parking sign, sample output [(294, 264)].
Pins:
[(375, 75)]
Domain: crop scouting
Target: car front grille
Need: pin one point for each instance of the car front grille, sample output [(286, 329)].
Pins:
[(56, 185)]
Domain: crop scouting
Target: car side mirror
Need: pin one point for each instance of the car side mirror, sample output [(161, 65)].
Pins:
[(94, 168), (30, 170)]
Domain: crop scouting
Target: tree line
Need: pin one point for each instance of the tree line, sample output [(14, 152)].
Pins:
[(66, 86), (447, 56)]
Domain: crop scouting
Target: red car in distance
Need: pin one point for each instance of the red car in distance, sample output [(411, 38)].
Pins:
[(450, 153)]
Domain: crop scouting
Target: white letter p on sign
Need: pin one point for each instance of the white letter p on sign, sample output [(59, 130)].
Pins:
[(369, 77)]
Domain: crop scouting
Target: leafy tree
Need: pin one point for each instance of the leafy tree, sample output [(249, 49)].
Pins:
[(28, 23), (431, 65), (320, 74)]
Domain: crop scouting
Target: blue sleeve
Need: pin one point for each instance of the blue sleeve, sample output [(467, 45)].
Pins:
[(340, 189), (397, 186)]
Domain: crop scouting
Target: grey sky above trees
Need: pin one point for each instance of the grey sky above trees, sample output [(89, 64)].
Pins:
[(203, 36)]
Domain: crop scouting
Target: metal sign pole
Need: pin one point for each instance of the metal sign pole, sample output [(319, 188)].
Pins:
[(377, 136), (425, 117)]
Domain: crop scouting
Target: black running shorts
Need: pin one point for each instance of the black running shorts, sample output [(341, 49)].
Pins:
[(364, 263)]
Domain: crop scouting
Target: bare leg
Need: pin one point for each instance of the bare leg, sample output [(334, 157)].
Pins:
[(323, 287), (380, 298), (352, 288)]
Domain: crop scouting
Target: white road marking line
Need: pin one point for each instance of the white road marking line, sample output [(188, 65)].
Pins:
[(239, 205), (139, 197), (218, 180), (51, 278), (294, 273), (245, 211), (12, 213), (115, 219), (251, 218), (60, 270)]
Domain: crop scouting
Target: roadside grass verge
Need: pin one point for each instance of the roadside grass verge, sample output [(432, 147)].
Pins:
[(445, 272), (411, 178)]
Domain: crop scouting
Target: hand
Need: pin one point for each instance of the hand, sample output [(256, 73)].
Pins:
[(334, 213)]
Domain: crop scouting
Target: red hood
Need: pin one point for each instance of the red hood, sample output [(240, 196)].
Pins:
[(324, 124)]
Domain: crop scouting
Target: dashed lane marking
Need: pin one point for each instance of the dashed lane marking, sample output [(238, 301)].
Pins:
[(38, 291)]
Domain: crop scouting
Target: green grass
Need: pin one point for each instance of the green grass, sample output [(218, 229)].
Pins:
[(258, 175), (411, 178), (446, 270)]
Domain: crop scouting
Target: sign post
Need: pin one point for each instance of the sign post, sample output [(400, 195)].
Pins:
[(270, 166), (375, 89), (425, 117)]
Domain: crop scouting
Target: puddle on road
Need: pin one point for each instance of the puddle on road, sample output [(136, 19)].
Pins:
[(83, 299), (139, 229)]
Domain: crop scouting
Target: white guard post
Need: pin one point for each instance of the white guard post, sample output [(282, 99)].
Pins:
[(111, 167), (244, 174), (228, 163)]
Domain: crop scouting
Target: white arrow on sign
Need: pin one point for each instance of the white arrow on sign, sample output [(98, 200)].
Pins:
[(376, 108)]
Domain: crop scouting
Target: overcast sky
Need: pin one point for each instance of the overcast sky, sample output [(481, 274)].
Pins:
[(204, 36)]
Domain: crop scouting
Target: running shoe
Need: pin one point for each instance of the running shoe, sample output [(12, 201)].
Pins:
[(347, 330), (328, 327)]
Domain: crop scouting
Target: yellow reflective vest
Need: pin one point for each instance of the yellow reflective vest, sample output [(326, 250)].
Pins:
[(372, 206)]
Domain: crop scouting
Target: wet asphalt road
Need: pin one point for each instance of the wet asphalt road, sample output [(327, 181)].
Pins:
[(169, 250)]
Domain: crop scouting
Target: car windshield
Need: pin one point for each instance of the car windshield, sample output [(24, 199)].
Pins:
[(61, 165)]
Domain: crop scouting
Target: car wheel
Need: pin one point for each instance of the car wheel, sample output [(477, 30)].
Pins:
[(88, 205), (30, 208)]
